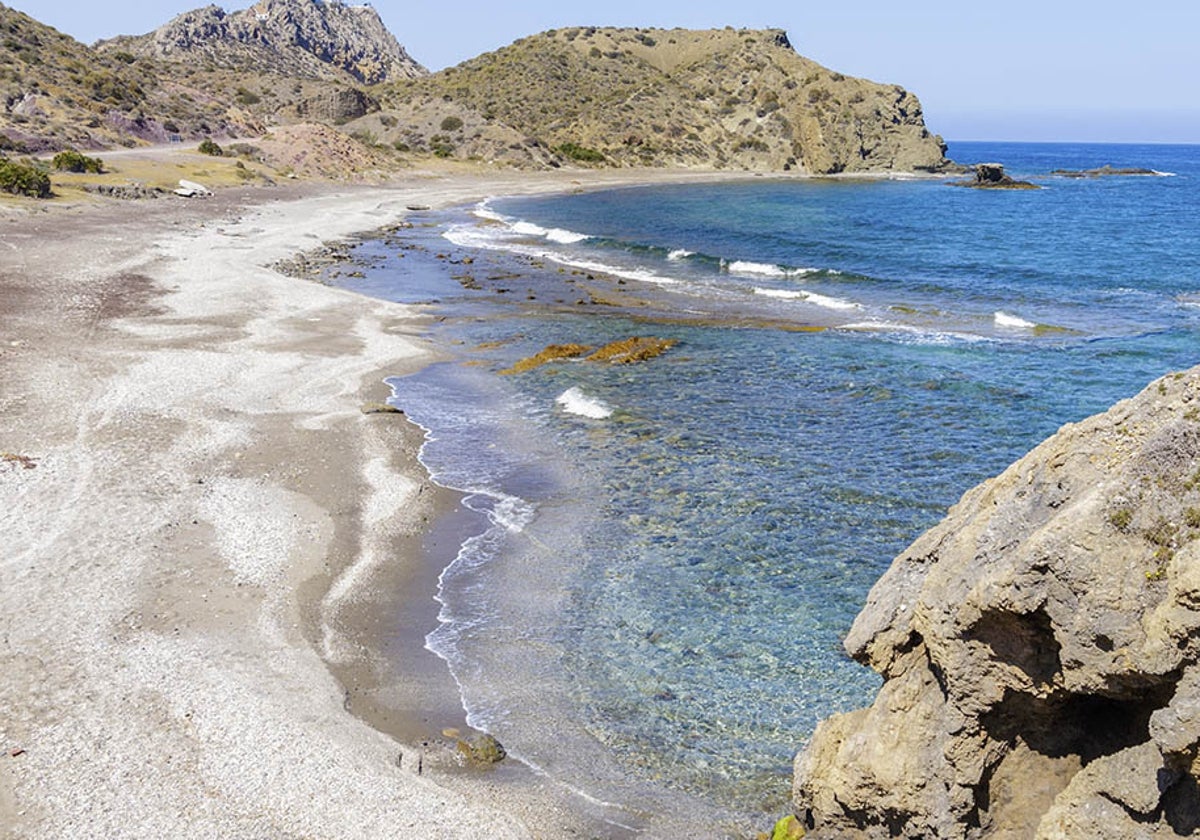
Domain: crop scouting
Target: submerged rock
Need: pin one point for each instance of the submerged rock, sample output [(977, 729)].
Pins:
[(1103, 172), (1040, 650)]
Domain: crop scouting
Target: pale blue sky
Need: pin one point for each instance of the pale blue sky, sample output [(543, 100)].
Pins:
[(1014, 70)]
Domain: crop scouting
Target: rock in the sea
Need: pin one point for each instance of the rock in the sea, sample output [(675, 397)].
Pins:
[(483, 749), (1105, 171), (1040, 650), (991, 176)]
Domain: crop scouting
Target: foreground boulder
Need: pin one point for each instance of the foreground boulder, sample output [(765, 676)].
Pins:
[(1039, 649)]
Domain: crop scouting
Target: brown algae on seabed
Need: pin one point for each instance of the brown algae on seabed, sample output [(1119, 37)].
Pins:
[(622, 352), (630, 350), (552, 353)]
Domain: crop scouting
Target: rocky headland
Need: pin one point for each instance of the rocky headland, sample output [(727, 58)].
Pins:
[(1040, 650), (721, 98)]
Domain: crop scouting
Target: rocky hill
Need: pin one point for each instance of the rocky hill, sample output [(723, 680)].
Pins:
[(737, 99), (324, 39), (1040, 650), (650, 97), (205, 73)]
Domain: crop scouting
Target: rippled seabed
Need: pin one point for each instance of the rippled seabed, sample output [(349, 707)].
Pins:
[(677, 547)]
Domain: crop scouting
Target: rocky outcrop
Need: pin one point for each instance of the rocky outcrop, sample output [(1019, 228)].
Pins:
[(1106, 171), (721, 98), (1040, 650), (991, 176), (307, 38), (336, 105)]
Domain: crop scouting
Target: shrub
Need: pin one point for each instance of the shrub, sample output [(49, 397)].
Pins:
[(70, 160), (580, 153), (451, 124), (247, 97), (208, 147), (20, 179), (7, 144), (1121, 518)]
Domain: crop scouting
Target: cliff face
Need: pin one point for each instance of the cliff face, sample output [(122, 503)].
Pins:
[(304, 38), (1040, 649), (652, 97)]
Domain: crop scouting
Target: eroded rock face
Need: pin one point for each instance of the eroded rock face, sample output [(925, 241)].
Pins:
[(305, 38), (1040, 649)]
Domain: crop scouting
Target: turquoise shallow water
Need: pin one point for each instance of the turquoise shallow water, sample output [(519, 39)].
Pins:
[(676, 548)]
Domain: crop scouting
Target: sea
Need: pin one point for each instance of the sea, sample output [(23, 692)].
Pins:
[(649, 612)]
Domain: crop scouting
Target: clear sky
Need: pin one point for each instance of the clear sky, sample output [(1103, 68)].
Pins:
[(1013, 70)]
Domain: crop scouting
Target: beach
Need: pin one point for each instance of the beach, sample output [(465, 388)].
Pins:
[(200, 522)]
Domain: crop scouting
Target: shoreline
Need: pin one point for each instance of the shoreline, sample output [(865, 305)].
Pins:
[(205, 497)]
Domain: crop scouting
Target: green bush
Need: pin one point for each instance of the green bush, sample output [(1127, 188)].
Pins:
[(451, 124), (70, 160), (208, 147), (580, 153), (247, 97), (20, 179)]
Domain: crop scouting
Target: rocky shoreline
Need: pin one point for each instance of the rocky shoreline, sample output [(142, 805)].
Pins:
[(1039, 650)]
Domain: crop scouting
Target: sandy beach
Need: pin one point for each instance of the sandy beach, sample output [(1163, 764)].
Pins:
[(201, 529)]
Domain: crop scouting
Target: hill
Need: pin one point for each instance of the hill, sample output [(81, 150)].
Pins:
[(206, 73), (719, 99), (651, 97), (300, 38)]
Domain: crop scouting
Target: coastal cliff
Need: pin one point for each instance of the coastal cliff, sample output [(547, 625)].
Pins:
[(722, 98), (1040, 650)]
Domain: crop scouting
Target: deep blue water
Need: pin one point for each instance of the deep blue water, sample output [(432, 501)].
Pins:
[(656, 610)]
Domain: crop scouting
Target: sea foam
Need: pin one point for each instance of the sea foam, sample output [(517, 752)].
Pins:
[(1011, 322), (575, 401), (756, 269), (809, 297), (559, 235)]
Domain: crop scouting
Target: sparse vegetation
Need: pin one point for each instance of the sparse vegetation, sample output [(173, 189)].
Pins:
[(22, 179), (247, 97), (70, 160), (1121, 519), (451, 124), (580, 153), (209, 147)]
